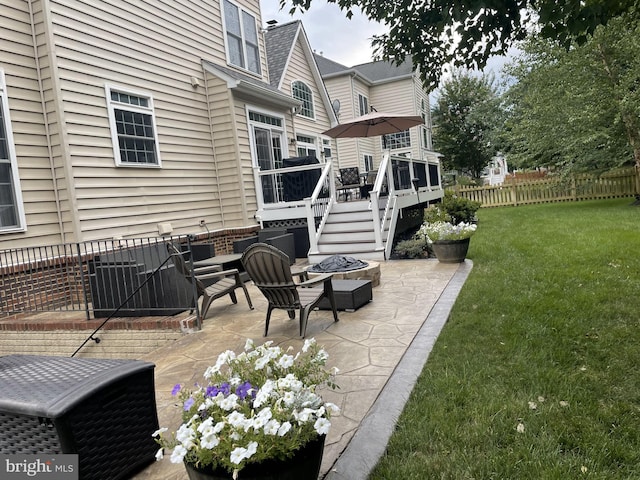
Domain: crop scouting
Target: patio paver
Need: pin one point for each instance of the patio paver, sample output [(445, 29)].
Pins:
[(386, 342)]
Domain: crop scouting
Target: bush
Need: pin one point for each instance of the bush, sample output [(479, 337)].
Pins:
[(412, 248), (459, 209)]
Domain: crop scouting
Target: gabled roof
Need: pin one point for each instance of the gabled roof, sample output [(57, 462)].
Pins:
[(279, 42), (371, 72)]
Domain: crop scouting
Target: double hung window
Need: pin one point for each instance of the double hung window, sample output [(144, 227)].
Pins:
[(11, 209), (241, 35), (363, 104), (133, 129)]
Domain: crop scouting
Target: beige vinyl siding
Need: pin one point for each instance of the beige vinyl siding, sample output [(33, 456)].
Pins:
[(233, 165), (299, 69), (27, 122), (339, 88), (141, 47), (399, 97)]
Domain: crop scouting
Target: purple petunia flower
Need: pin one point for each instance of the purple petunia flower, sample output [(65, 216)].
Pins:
[(243, 390), (176, 389), (225, 388), (189, 403)]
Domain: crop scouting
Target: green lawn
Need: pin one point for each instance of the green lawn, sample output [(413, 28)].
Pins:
[(536, 374)]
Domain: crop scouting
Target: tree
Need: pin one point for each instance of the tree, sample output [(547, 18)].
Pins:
[(577, 109), (465, 33), (465, 116)]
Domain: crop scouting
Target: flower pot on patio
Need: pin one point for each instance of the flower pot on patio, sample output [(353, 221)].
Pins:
[(304, 464), (451, 251)]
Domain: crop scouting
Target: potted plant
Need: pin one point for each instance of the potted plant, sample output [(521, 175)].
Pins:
[(257, 415), (449, 242)]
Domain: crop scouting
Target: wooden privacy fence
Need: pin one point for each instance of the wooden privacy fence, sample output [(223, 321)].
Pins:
[(621, 183)]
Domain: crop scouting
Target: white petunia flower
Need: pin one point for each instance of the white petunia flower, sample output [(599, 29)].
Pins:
[(238, 454), (285, 361), (284, 429), (308, 343), (159, 431), (322, 426), (271, 427), (178, 454), (332, 407), (160, 454), (228, 403)]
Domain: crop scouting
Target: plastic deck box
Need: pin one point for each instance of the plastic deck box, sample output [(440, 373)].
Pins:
[(350, 295), (103, 410)]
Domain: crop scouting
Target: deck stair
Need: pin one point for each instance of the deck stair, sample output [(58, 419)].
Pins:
[(348, 231)]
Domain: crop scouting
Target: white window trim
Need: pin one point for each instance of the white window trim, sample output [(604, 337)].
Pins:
[(313, 103), (17, 191), (312, 145), (281, 131), (360, 104), (150, 110), (364, 161), (243, 39), (324, 141)]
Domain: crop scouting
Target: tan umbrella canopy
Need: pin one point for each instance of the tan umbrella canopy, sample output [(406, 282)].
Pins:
[(374, 124)]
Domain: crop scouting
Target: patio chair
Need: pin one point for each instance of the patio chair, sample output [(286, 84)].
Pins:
[(269, 269), (349, 181), (227, 281)]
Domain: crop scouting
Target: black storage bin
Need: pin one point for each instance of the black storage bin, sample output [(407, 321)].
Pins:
[(103, 410), (349, 295)]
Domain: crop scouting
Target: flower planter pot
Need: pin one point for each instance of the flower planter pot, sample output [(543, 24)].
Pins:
[(305, 464), (451, 251)]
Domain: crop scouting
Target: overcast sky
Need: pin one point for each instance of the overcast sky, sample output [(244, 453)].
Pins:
[(329, 30), (343, 40)]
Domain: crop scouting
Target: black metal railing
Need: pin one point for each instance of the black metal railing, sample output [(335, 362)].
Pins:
[(136, 277)]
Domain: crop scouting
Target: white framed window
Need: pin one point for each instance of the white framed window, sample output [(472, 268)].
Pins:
[(12, 217), (394, 141), (326, 148), (302, 92), (241, 36), (368, 162), (363, 104), (133, 128), (306, 146), (267, 141)]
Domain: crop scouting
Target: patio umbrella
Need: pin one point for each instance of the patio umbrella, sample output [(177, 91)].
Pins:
[(374, 124)]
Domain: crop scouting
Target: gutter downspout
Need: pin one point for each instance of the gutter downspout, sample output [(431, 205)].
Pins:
[(47, 132), (213, 145)]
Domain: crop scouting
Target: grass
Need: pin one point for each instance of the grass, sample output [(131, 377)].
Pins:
[(535, 375)]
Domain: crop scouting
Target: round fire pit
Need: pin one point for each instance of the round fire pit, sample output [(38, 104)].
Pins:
[(350, 270)]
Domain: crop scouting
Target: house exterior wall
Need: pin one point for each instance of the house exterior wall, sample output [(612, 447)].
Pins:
[(300, 70), (403, 95), (36, 165), (144, 46)]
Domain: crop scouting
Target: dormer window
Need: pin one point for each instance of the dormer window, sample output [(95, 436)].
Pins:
[(241, 34), (302, 92)]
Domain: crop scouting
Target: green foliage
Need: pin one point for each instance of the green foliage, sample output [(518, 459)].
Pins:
[(465, 115), (412, 248), (580, 109), (544, 334), (458, 209), (460, 33)]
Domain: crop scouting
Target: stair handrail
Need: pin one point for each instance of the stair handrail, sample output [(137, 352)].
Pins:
[(312, 201)]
